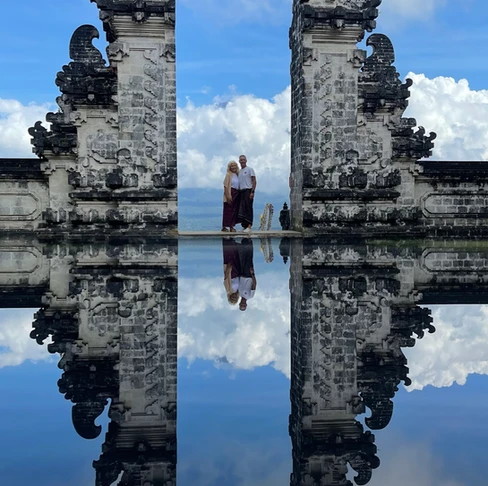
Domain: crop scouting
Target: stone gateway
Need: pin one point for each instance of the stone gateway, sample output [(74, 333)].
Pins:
[(357, 165), (107, 161), (108, 158)]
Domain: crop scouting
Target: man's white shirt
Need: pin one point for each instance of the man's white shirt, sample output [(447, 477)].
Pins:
[(245, 181), (245, 284)]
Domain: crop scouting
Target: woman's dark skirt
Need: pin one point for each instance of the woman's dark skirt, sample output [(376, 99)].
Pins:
[(231, 256), (229, 217)]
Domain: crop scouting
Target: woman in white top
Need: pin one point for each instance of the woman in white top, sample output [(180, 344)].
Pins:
[(231, 197)]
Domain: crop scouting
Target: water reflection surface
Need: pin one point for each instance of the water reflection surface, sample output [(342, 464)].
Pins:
[(126, 322)]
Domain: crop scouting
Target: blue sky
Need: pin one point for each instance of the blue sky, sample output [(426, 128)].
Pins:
[(233, 75), (235, 45)]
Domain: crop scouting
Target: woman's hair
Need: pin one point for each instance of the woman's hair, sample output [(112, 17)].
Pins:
[(230, 163), (233, 298)]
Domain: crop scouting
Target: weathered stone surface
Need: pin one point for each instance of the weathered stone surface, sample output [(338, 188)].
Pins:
[(353, 310), (355, 166), (108, 158), (111, 311)]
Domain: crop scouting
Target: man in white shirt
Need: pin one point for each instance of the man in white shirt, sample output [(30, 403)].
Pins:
[(247, 188), (247, 277)]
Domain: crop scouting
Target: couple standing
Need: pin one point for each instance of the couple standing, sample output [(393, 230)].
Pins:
[(239, 277), (239, 188)]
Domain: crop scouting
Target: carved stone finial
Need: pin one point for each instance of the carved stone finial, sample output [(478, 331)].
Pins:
[(380, 85), (86, 80), (81, 48), (60, 140)]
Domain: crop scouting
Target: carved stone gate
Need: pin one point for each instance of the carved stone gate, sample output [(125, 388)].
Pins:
[(108, 158), (356, 161)]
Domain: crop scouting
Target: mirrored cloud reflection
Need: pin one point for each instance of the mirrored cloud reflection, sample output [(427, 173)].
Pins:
[(210, 328)]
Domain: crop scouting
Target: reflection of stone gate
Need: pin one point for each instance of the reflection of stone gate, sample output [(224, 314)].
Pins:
[(111, 312), (355, 159), (109, 156), (353, 309)]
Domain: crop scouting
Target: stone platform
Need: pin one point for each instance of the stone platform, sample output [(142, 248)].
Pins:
[(240, 234)]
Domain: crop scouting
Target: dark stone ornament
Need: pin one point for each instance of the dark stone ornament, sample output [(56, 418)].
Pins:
[(285, 218), (381, 90), (410, 144), (285, 244), (61, 326), (88, 384), (364, 14), (379, 83), (86, 80), (60, 140)]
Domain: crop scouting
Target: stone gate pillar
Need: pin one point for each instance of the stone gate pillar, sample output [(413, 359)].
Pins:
[(354, 156), (325, 69), (108, 159), (142, 51)]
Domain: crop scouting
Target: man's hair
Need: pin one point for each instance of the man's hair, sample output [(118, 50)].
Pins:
[(243, 156)]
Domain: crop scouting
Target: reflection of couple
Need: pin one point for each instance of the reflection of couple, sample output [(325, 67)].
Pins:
[(239, 277), (239, 188)]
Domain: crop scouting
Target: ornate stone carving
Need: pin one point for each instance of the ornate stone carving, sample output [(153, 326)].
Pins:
[(62, 326), (379, 84), (139, 10), (339, 13), (86, 80), (88, 384), (60, 140)]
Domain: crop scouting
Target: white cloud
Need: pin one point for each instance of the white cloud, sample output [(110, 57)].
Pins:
[(397, 459), (15, 342), (458, 114), (211, 135), (209, 328), (15, 119), (458, 348)]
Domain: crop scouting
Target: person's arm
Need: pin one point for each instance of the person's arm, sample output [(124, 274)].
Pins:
[(228, 195), (227, 191), (253, 182), (254, 282)]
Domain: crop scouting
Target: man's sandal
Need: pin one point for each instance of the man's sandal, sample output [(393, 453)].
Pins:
[(225, 230)]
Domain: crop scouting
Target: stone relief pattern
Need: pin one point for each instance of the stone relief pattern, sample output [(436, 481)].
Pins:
[(140, 11), (86, 327), (148, 388), (363, 322), (380, 183), (107, 176), (323, 123), (382, 102), (339, 13), (85, 81), (300, 124)]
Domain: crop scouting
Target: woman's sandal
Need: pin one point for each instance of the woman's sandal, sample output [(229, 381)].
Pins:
[(225, 230)]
